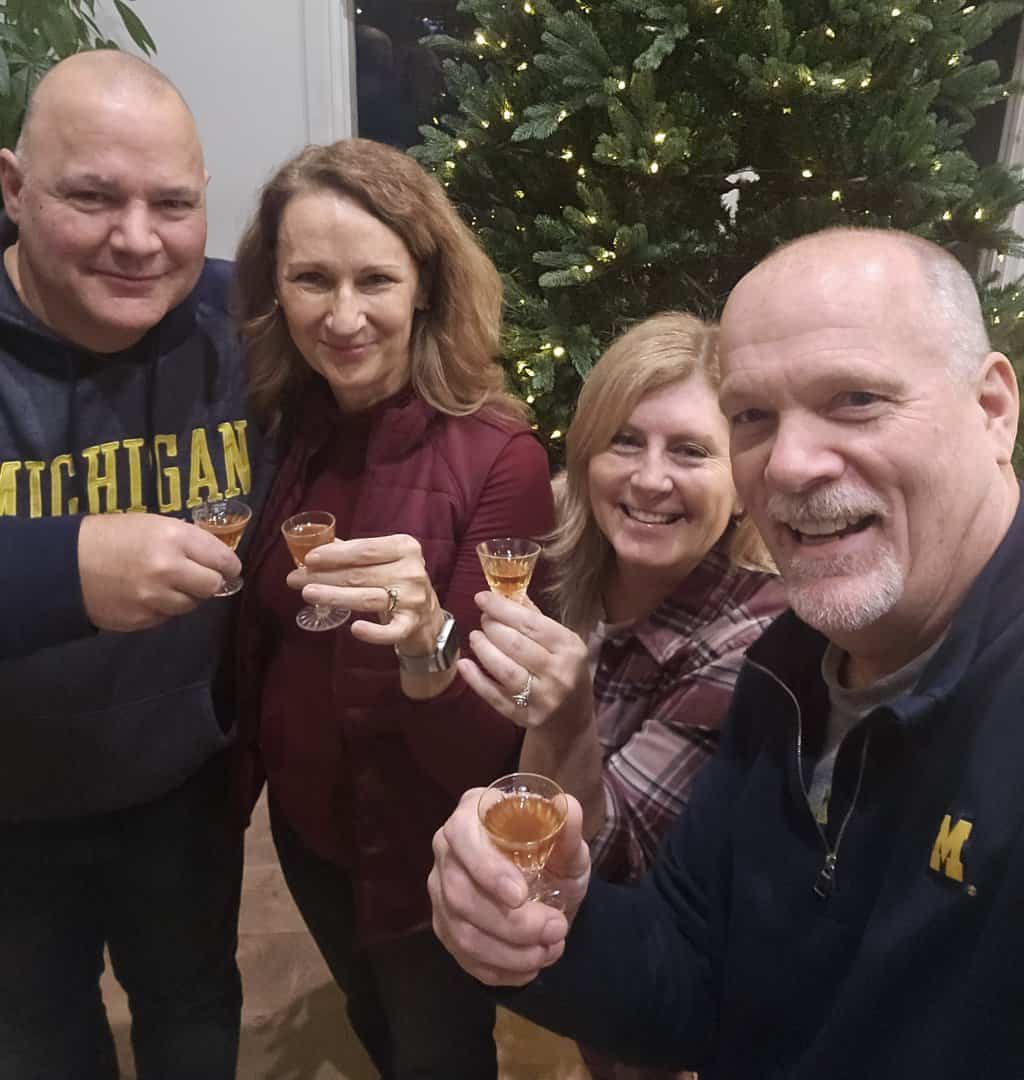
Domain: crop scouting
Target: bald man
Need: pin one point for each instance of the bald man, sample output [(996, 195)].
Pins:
[(122, 406), (843, 897)]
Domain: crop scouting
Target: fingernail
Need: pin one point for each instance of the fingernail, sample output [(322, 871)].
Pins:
[(511, 891)]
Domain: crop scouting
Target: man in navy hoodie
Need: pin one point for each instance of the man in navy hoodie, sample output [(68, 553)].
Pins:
[(843, 897), (122, 406)]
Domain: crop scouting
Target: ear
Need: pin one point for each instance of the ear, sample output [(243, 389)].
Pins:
[(12, 181), (999, 400)]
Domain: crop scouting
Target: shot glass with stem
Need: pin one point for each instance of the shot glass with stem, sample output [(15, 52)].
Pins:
[(508, 563), (303, 532), (226, 519), (522, 814)]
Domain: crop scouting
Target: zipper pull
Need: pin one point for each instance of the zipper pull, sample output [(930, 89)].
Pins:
[(825, 885)]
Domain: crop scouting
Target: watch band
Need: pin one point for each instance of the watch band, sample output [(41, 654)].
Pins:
[(446, 646)]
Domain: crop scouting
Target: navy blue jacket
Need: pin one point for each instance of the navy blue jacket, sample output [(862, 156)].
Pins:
[(96, 721), (726, 959)]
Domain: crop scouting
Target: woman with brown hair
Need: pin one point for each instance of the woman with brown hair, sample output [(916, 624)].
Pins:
[(372, 321), (660, 584)]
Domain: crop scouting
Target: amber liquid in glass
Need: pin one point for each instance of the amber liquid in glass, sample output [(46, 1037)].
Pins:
[(301, 539), (227, 527), (508, 577), (525, 828)]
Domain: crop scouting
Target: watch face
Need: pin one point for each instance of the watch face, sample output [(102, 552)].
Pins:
[(443, 656)]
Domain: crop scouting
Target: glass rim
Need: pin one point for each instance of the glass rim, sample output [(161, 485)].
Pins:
[(531, 546), (310, 517), (558, 794), (236, 505)]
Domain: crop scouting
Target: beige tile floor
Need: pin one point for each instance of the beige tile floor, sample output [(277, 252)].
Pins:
[(293, 1022)]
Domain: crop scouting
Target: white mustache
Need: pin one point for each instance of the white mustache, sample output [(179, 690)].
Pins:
[(824, 504)]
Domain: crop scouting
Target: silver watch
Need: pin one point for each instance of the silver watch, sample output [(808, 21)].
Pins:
[(446, 646)]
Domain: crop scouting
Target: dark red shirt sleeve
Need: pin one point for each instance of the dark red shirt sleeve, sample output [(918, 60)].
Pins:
[(456, 733)]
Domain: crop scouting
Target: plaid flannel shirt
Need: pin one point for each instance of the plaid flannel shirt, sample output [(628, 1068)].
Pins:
[(661, 689)]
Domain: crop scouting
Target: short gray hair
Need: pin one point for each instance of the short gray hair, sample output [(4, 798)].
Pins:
[(955, 299), (952, 295)]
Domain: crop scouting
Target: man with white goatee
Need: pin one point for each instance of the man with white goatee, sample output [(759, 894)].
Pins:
[(843, 896)]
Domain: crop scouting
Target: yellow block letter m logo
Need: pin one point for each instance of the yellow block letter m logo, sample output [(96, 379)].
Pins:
[(948, 844)]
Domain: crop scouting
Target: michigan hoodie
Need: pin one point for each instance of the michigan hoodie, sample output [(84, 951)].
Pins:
[(92, 721)]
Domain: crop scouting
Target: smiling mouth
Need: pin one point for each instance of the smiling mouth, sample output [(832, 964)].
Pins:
[(649, 517), (824, 532), (132, 279), (348, 348)]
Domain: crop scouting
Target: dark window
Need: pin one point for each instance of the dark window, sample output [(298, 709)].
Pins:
[(398, 80)]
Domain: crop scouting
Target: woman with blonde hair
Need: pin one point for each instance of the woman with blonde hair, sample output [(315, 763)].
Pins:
[(372, 321), (660, 584)]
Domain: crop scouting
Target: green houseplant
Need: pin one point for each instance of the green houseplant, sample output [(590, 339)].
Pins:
[(36, 34)]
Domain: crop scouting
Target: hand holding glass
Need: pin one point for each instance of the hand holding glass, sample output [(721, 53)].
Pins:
[(226, 519), (302, 533), (508, 564), (522, 814)]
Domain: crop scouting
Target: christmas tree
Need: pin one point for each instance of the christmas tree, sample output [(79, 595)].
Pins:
[(620, 157)]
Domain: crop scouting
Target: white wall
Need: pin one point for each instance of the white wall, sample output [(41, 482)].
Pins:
[(263, 77), (1011, 152)]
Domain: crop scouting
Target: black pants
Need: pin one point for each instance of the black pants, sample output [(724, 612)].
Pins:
[(159, 885), (419, 1015)]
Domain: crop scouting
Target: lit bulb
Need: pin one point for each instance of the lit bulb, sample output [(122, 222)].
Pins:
[(562, 115), (528, 7), (996, 319), (829, 32), (979, 214), (837, 195), (718, 10), (967, 10), (838, 82), (588, 269), (786, 110), (461, 144), (865, 82), (567, 154), (775, 83), (480, 39), (592, 218), (558, 352), (895, 12), (581, 171), (806, 174), (768, 27), (530, 399), (449, 164), (953, 60), (936, 166), (485, 123), (947, 216), (622, 84), (523, 66), (520, 194), (507, 114), (660, 137), (654, 166), (503, 44), (556, 434)]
